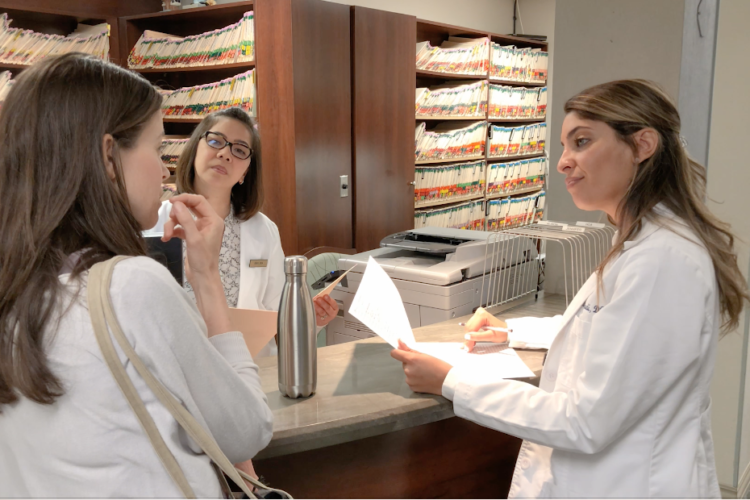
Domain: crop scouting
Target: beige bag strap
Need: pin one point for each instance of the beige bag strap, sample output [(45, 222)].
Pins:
[(102, 314)]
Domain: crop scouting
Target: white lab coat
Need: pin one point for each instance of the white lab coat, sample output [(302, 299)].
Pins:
[(260, 287), (623, 407)]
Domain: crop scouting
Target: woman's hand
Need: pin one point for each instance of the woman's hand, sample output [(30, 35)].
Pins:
[(424, 373), (203, 238), (202, 235), (325, 309), (481, 319), (247, 468)]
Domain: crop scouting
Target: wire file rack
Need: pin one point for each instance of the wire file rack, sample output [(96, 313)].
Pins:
[(582, 246)]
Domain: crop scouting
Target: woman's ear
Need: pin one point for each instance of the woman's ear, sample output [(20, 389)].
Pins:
[(108, 155), (646, 141)]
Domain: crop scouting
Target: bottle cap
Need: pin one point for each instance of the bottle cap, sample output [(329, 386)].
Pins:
[(295, 264)]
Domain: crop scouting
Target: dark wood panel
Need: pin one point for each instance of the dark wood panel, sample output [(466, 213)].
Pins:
[(383, 124), (322, 108), (452, 458), (273, 59)]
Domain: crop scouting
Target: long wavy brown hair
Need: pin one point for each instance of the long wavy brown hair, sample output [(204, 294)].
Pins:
[(57, 199), (669, 176)]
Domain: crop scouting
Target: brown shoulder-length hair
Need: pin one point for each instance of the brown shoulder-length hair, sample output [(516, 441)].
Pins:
[(57, 199), (246, 198), (669, 176)]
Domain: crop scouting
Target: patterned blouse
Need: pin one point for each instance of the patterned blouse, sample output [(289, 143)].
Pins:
[(229, 261)]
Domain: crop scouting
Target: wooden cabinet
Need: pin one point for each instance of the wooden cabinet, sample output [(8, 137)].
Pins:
[(383, 75)]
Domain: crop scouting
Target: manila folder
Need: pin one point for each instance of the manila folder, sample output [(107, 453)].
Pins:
[(258, 327)]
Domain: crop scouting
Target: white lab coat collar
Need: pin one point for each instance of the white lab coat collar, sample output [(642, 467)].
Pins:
[(647, 229)]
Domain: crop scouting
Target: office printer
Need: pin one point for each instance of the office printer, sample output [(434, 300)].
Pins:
[(440, 274)]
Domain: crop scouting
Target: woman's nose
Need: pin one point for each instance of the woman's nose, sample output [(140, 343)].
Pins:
[(224, 153), (565, 163)]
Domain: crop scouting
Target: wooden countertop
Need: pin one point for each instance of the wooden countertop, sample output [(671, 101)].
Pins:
[(361, 390)]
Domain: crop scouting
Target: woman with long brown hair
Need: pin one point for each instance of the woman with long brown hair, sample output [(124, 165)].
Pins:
[(623, 406), (222, 162), (80, 178)]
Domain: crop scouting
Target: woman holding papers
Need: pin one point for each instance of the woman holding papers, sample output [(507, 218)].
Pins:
[(222, 163), (623, 407), (80, 176)]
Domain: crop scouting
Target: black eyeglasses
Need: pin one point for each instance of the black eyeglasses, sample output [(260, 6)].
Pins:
[(218, 141)]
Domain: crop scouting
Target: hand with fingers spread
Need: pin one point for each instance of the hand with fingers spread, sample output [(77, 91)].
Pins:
[(481, 319), (325, 309), (202, 235), (424, 373)]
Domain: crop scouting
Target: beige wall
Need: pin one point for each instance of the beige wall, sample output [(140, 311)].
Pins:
[(596, 41), (728, 183), (495, 16)]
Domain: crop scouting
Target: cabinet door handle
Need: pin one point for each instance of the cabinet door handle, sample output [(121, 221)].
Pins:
[(412, 183)]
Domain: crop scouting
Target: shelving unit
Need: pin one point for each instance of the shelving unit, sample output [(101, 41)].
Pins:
[(436, 33), (448, 161)]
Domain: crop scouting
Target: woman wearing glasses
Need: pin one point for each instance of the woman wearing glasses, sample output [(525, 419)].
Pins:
[(222, 162)]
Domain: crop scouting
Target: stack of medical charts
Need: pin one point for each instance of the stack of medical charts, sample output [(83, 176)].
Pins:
[(24, 47), (171, 149), (469, 215), (518, 64), (508, 213), (453, 100), (198, 101), (232, 44), (6, 82), (510, 177), (517, 102), (525, 140), (446, 183), (450, 140), (457, 55)]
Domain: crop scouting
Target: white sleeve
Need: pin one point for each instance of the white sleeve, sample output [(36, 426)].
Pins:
[(215, 378), (533, 333), (276, 276), (643, 345)]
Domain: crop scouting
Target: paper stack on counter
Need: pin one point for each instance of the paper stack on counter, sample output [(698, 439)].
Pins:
[(378, 305)]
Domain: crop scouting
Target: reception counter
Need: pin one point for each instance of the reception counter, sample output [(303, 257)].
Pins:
[(365, 434)]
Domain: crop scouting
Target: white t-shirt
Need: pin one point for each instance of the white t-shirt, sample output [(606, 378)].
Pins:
[(89, 442)]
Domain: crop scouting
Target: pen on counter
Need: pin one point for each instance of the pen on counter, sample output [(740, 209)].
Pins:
[(492, 328)]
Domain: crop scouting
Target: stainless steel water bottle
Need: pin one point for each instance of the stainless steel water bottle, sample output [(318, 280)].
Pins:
[(298, 355)]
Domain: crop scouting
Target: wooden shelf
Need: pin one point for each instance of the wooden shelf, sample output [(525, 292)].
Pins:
[(9, 66), (516, 120), (495, 196), (448, 76), (449, 118), (430, 29), (213, 67), (451, 160), (501, 159), (517, 83), (448, 201), (182, 120), (195, 13)]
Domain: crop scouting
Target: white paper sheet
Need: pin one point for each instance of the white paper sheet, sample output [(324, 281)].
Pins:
[(496, 359), (378, 305)]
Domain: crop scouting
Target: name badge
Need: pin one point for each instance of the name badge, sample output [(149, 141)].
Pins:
[(259, 263)]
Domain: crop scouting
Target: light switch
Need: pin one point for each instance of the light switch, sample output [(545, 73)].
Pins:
[(344, 186)]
